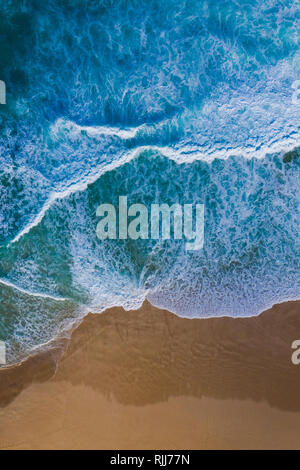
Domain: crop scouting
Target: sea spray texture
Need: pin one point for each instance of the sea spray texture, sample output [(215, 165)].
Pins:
[(147, 99)]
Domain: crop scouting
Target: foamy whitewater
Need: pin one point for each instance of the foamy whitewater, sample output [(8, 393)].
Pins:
[(184, 101)]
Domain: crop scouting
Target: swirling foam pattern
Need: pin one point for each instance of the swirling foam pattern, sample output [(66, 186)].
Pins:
[(177, 101)]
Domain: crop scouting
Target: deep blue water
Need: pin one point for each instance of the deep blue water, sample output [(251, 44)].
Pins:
[(168, 101)]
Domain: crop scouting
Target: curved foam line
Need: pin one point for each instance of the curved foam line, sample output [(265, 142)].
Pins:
[(168, 152), (266, 307), (189, 152), (63, 194), (128, 133), (32, 294)]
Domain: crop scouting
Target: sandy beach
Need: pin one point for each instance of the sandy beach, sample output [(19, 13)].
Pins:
[(149, 379), (149, 156)]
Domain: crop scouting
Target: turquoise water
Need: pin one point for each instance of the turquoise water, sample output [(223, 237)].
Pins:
[(164, 102)]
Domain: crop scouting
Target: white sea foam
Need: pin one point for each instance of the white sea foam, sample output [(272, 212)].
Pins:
[(186, 154), (193, 81), (6, 283)]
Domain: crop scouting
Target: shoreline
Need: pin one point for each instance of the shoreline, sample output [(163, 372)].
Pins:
[(221, 376), (65, 335)]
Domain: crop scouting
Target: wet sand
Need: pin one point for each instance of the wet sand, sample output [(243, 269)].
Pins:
[(148, 379)]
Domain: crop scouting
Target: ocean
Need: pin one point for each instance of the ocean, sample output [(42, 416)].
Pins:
[(175, 101)]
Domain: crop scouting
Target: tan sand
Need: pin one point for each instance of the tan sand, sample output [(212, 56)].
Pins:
[(148, 379)]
